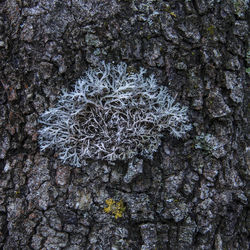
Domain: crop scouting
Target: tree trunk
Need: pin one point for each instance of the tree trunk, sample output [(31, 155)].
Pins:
[(194, 194)]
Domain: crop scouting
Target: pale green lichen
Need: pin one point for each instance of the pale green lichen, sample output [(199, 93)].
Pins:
[(240, 7), (248, 61)]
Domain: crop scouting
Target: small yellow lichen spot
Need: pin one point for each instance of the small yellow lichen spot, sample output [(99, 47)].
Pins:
[(173, 14), (120, 208), (211, 30), (116, 208), (110, 203)]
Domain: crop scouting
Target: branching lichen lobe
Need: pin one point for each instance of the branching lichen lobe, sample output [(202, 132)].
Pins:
[(111, 115)]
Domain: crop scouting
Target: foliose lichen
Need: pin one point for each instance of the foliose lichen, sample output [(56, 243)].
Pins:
[(111, 115)]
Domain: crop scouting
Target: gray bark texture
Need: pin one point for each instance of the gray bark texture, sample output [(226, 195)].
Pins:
[(194, 194)]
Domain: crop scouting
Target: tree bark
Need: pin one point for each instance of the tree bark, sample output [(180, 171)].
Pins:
[(194, 194)]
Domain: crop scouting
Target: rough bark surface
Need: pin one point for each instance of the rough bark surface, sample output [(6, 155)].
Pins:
[(194, 194)]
